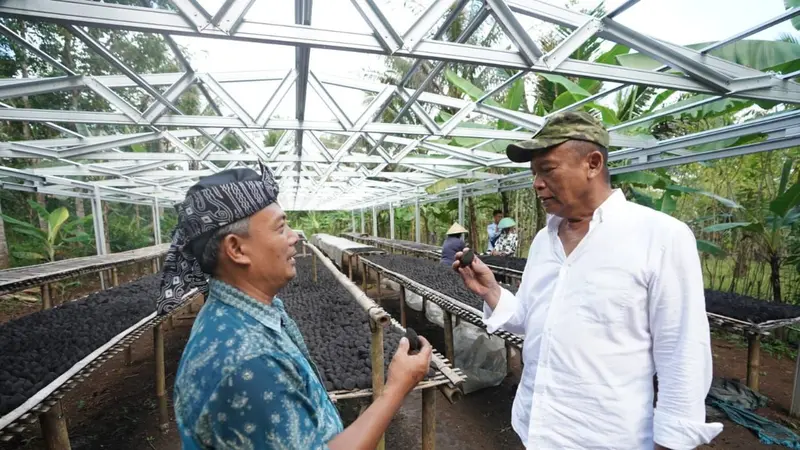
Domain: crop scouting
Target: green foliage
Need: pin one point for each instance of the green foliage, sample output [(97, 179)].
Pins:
[(46, 244)]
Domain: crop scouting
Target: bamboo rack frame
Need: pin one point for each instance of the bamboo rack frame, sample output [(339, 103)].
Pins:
[(447, 383), (461, 310), (17, 279), (18, 420)]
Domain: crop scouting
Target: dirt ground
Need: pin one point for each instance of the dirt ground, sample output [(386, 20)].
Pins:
[(116, 408)]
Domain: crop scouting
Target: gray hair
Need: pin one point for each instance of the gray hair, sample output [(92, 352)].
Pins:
[(211, 251)]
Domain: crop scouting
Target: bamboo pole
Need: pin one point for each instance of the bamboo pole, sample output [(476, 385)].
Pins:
[(448, 337), (375, 312), (376, 356), (378, 276), (350, 266), (54, 428), (428, 419), (154, 263), (114, 277), (128, 355), (364, 275), (508, 358), (47, 301), (402, 306), (794, 411), (753, 360), (161, 389)]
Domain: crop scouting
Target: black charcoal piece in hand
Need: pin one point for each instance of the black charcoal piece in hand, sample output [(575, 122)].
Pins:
[(466, 258), (413, 341)]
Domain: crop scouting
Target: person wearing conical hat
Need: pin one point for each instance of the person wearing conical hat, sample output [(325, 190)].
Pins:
[(453, 244), (506, 244)]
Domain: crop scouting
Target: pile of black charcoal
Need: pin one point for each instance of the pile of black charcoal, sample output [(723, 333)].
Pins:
[(37, 348)]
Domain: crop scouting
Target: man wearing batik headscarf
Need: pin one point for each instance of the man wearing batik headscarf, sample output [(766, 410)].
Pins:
[(246, 379)]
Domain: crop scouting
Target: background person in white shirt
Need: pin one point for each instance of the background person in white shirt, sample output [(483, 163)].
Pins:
[(612, 294)]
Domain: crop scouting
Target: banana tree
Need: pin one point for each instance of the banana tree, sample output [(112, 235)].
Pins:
[(770, 230), (59, 233), (657, 190)]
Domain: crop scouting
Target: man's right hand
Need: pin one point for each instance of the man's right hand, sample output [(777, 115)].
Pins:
[(479, 278), (406, 371)]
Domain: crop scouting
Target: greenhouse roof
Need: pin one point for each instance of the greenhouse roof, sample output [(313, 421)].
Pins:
[(340, 153)]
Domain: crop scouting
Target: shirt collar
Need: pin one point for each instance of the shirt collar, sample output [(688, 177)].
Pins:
[(605, 210), (268, 315)]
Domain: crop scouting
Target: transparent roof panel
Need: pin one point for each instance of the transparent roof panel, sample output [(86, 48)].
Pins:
[(243, 76), (687, 22)]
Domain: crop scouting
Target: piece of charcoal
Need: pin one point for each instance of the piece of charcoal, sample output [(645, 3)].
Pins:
[(413, 341), (466, 258)]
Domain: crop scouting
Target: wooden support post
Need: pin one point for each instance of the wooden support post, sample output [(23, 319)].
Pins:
[(376, 357), (170, 323), (114, 277), (304, 250), (428, 419), (378, 276), (314, 266), (753, 360), (794, 410), (154, 263), (403, 306), (54, 428), (161, 385), (448, 337), (508, 358), (364, 276), (47, 302), (128, 355), (350, 266)]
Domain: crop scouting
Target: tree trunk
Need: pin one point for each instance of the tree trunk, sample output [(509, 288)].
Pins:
[(541, 215), (775, 278), (473, 225), (3, 244), (42, 221), (504, 199), (80, 212)]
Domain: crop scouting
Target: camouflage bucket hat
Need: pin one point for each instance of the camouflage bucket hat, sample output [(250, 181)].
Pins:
[(560, 128)]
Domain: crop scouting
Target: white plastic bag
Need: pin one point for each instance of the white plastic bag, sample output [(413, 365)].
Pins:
[(413, 301), (480, 356), (434, 314)]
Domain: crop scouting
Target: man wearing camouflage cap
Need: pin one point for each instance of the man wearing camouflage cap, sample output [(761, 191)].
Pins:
[(612, 294)]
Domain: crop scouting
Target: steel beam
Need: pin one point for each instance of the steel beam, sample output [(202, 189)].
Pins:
[(374, 222), (417, 231), (163, 21), (391, 221)]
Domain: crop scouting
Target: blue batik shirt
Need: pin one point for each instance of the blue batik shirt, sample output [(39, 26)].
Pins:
[(246, 380)]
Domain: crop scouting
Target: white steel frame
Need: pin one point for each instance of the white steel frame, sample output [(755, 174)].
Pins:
[(315, 177)]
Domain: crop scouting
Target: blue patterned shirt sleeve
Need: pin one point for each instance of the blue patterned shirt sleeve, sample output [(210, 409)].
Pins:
[(260, 406)]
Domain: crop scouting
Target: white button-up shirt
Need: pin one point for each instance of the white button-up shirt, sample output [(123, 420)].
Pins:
[(626, 304)]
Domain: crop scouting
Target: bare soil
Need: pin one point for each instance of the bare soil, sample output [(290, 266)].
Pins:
[(116, 407)]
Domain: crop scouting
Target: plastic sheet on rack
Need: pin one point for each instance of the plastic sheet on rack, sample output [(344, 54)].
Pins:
[(480, 356)]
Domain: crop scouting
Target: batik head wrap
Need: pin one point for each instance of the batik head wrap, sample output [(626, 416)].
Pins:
[(212, 203)]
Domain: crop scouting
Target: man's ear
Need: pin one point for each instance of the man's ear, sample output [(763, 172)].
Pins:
[(232, 246), (595, 163)]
